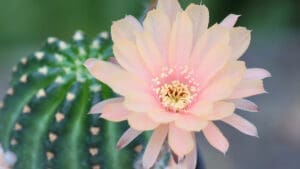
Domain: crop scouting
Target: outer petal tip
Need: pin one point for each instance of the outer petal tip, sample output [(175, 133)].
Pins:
[(90, 63), (230, 21)]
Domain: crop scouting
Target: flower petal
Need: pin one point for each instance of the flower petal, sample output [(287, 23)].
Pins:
[(158, 25), (239, 41), (200, 17), (221, 110), (256, 74), (114, 111), (113, 76), (180, 141), (245, 104), (248, 88), (190, 122), (154, 146), (216, 138), (128, 136), (201, 108), (181, 40), (98, 108), (125, 29), (140, 121), (129, 58), (241, 124), (230, 21), (191, 159), (223, 84), (170, 8), (162, 116)]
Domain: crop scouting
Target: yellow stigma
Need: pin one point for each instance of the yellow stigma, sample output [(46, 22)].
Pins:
[(175, 95)]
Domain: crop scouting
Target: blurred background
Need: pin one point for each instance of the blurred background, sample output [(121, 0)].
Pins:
[(26, 24)]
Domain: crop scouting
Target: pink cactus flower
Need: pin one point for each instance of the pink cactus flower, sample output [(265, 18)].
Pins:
[(176, 77)]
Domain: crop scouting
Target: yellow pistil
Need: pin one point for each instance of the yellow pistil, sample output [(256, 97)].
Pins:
[(175, 96)]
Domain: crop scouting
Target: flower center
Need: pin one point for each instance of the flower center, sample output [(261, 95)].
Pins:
[(175, 96)]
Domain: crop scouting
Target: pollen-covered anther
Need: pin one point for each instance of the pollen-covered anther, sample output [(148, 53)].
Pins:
[(52, 137), (50, 155), (59, 117), (95, 130), (70, 97), (26, 109), (43, 70), (175, 96), (10, 91), (93, 151), (39, 55), (41, 93), (18, 127)]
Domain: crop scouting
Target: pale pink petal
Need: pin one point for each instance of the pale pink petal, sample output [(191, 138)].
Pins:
[(125, 29), (114, 111), (221, 110), (256, 74), (162, 116), (248, 88), (98, 108), (230, 21), (158, 25), (170, 8), (241, 124), (239, 41), (129, 58), (245, 104), (191, 159), (216, 138), (201, 108), (128, 136), (113, 75), (154, 146), (180, 141), (149, 52), (200, 17), (190, 122), (181, 40), (140, 121), (224, 83), (146, 104)]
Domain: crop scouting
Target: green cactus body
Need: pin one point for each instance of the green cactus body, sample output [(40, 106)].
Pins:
[(44, 117)]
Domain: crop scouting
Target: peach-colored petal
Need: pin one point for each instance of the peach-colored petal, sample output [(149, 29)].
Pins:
[(149, 52), (125, 29), (128, 136), (225, 82), (113, 76), (115, 112), (216, 138), (162, 116), (129, 58), (158, 25), (239, 41), (191, 159), (241, 124), (190, 122), (245, 104), (256, 74), (154, 146), (248, 88), (201, 108), (181, 40), (140, 121), (170, 8), (180, 141), (230, 21), (143, 103), (98, 108), (221, 110), (200, 17)]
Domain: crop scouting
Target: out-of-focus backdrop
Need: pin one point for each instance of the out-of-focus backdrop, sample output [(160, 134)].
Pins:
[(26, 24)]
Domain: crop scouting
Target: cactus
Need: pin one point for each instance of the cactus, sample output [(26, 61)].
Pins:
[(44, 117)]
